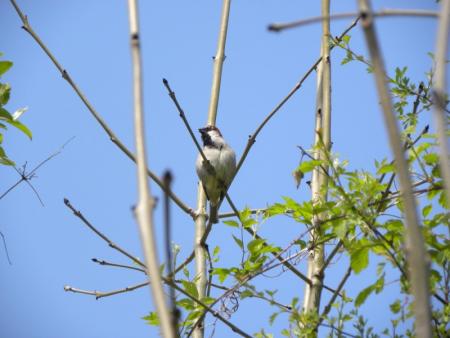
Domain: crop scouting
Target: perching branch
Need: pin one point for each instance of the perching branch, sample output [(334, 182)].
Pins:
[(114, 139), (319, 181), (278, 27), (439, 94), (416, 254), (146, 202), (200, 221)]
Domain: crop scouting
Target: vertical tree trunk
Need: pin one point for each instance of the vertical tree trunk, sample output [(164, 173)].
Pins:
[(319, 178), (200, 223), (146, 202), (416, 253)]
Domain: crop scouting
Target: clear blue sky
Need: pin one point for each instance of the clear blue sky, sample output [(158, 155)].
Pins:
[(50, 248)]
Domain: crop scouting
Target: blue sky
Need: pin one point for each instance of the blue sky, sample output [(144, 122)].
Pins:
[(50, 248)]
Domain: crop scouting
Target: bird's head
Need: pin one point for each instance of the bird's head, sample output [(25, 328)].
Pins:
[(211, 136)]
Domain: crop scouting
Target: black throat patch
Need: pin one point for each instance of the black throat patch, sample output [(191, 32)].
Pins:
[(207, 142)]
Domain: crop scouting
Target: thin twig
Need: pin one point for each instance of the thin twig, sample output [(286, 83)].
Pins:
[(327, 308), (114, 139), (278, 27), (360, 58), (6, 248), (252, 138), (209, 309), (103, 236), (340, 331), (117, 265), (99, 294), (183, 117), (28, 176), (168, 281)]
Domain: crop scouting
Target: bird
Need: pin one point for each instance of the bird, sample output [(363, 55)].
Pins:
[(223, 159)]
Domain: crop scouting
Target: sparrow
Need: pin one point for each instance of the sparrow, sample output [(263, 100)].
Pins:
[(223, 159)]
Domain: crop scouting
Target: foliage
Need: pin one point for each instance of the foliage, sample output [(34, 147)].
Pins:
[(7, 119), (363, 222)]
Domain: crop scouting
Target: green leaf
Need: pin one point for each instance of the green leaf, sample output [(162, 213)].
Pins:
[(216, 251), (186, 303), (272, 317), (362, 296), (5, 115), (190, 288), (246, 294), (247, 223), (4, 66), (431, 159), (152, 319), (396, 306), (346, 39), (238, 241), (255, 245), (386, 168), (379, 285), (5, 91), (222, 273), (186, 272), (341, 229), (359, 259), (426, 210), (232, 223), (307, 166), (4, 159), (22, 128), (275, 209)]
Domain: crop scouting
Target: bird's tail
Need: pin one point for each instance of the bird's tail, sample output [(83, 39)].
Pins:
[(213, 213)]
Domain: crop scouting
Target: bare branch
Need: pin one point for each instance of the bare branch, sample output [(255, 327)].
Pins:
[(6, 248), (252, 138), (146, 202), (200, 221), (183, 117), (278, 27), (116, 141), (416, 254), (124, 266), (99, 294), (319, 181), (327, 308), (26, 177), (439, 94), (174, 311), (101, 235)]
